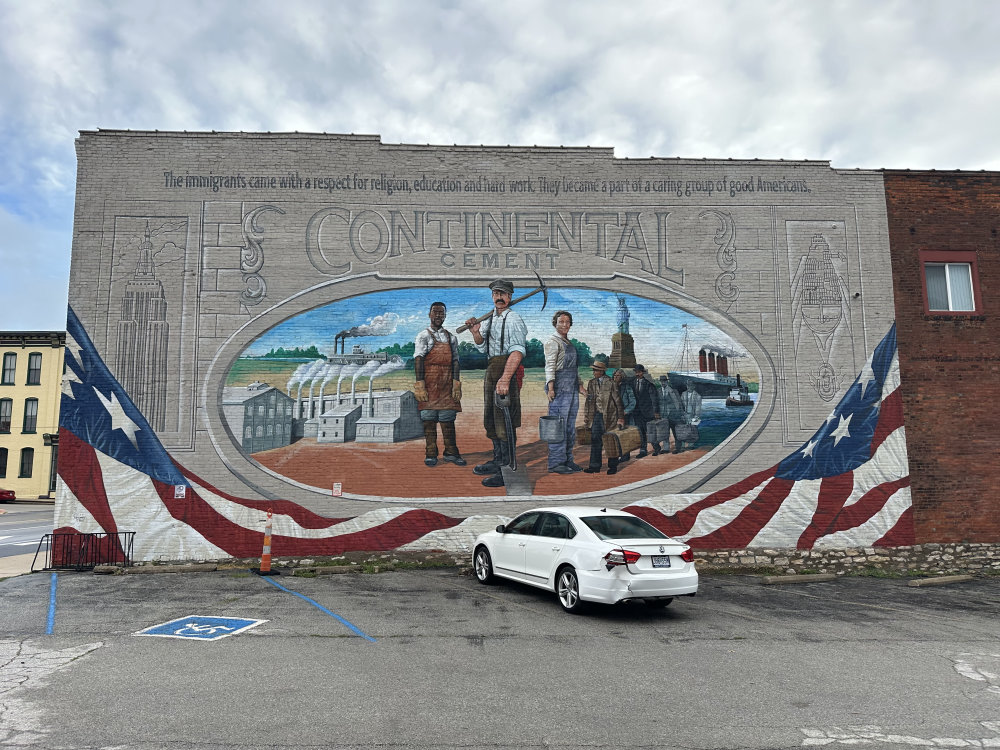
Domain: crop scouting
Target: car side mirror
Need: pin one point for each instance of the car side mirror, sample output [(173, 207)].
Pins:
[(501, 529)]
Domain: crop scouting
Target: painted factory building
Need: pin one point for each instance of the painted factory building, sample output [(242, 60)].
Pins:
[(305, 261)]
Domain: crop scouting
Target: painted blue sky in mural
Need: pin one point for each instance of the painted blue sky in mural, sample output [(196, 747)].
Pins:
[(386, 318)]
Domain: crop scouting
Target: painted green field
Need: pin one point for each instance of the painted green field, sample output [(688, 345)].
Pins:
[(276, 372)]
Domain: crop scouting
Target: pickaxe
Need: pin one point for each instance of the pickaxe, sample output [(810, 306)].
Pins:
[(541, 288)]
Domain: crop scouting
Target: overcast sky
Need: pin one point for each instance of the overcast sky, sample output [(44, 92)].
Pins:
[(869, 84)]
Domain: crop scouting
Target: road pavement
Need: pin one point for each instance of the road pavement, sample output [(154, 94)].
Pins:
[(432, 659), (22, 526)]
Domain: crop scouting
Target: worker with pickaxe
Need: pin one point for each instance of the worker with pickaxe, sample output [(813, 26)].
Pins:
[(502, 336)]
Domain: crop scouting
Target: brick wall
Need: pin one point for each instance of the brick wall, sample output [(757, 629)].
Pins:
[(950, 363)]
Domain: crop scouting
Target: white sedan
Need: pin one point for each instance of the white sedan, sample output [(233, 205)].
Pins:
[(588, 555)]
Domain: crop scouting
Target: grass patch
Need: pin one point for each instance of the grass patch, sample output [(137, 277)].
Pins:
[(870, 571), (742, 570), (371, 565), (387, 566)]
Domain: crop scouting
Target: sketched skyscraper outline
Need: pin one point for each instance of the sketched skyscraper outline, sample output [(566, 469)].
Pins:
[(143, 333)]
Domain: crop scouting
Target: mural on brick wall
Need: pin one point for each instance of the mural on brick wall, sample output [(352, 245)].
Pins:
[(375, 392), (402, 362)]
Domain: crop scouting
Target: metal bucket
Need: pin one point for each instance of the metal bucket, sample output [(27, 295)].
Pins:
[(551, 429)]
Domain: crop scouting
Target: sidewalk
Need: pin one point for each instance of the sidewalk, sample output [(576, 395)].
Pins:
[(16, 565)]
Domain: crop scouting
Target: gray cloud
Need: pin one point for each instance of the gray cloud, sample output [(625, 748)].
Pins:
[(860, 83)]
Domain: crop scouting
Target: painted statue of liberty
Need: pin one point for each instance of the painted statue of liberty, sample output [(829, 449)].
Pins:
[(622, 314)]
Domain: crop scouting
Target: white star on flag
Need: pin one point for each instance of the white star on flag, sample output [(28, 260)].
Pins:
[(842, 430), (69, 377), (74, 348), (867, 376), (119, 419)]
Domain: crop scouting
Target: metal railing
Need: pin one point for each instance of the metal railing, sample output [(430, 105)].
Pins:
[(74, 551)]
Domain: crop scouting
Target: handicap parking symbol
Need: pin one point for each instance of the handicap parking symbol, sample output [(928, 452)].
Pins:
[(201, 627)]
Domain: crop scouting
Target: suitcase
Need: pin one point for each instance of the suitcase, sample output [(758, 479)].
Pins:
[(583, 435), (619, 442), (687, 433), (658, 430)]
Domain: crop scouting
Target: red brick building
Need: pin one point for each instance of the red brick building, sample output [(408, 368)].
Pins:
[(946, 270)]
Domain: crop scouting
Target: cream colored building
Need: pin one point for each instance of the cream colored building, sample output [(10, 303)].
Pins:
[(31, 366)]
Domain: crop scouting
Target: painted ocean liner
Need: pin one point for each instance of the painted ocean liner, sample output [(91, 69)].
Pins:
[(712, 378)]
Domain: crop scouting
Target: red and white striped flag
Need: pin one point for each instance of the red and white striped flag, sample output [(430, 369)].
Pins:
[(848, 486)]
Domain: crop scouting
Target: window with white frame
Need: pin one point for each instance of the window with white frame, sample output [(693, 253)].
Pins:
[(949, 286), (951, 283)]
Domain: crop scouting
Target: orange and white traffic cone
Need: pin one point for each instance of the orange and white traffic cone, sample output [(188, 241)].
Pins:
[(265, 556)]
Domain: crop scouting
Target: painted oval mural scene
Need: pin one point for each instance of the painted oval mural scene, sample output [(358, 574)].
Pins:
[(382, 395)]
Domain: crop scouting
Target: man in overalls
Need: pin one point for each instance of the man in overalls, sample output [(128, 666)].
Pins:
[(563, 389), (503, 338), (438, 388)]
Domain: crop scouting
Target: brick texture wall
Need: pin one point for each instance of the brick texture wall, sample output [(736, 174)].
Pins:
[(950, 363)]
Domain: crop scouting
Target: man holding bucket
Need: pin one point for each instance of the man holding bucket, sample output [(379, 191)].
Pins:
[(563, 388)]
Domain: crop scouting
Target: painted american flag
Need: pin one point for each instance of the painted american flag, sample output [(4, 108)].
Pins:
[(847, 486), (115, 475)]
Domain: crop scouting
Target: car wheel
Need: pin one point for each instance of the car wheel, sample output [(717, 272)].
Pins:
[(568, 590), (659, 603), (483, 565)]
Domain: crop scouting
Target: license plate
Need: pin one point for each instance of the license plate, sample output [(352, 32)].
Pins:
[(661, 561)]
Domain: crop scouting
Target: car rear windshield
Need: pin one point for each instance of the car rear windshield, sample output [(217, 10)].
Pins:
[(622, 527)]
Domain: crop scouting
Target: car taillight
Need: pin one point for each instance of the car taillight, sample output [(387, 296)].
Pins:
[(622, 557), (687, 555)]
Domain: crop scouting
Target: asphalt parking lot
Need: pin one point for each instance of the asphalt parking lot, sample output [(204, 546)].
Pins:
[(430, 658)]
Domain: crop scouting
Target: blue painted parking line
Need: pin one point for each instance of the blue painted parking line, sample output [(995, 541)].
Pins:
[(321, 608), (50, 622)]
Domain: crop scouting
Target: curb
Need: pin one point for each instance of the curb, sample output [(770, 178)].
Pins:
[(143, 569), (940, 580)]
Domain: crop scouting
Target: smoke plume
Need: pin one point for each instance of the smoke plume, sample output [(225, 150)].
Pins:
[(380, 325)]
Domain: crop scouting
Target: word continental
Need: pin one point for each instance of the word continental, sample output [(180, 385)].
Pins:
[(339, 236)]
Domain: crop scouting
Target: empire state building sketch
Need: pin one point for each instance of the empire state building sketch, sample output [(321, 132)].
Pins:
[(143, 334)]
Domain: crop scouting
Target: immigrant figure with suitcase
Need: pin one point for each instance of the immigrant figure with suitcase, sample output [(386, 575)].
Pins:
[(671, 417), (645, 406), (628, 404), (688, 432), (602, 410)]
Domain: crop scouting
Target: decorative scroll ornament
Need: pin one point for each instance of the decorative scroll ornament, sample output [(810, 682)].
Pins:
[(725, 240), (252, 257)]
